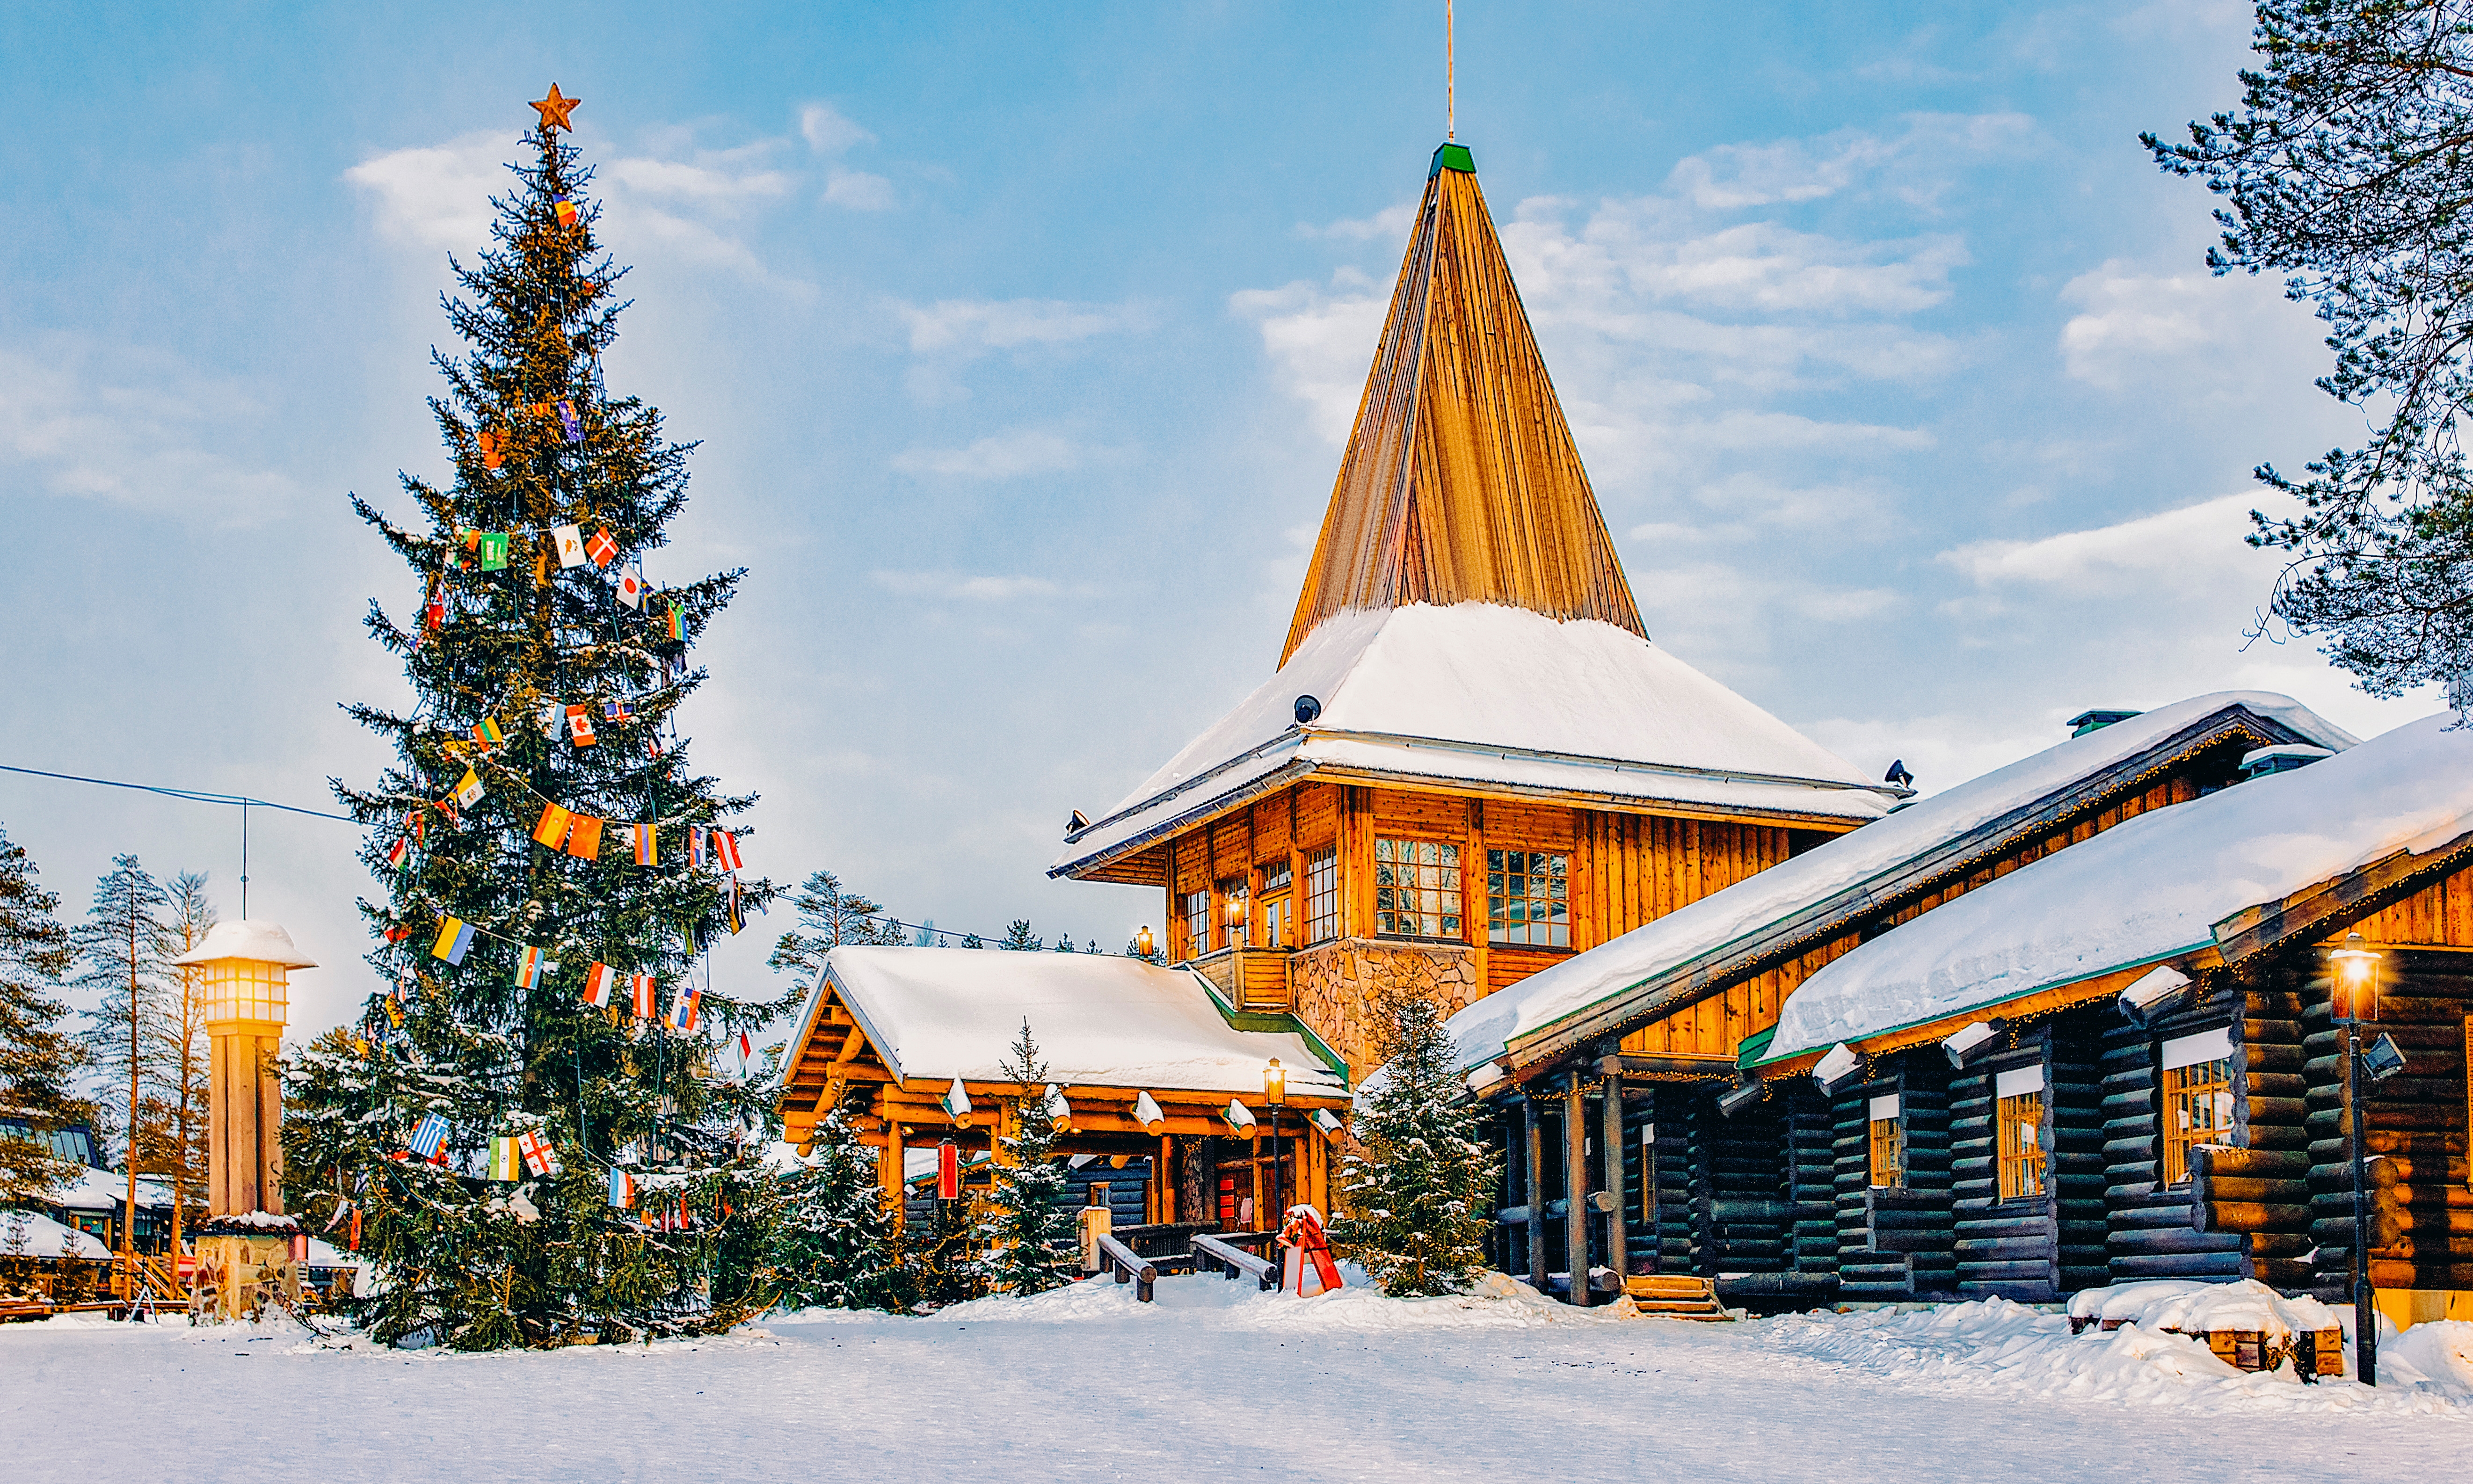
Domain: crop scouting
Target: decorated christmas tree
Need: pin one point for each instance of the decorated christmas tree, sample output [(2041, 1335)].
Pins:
[(529, 1133), (1416, 1214), (1021, 1236)]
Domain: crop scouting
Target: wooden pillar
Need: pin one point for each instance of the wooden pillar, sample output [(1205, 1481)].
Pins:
[(1610, 1137), (889, 1172), (1575, 1188), (1163, 1181), (1533, 1166)]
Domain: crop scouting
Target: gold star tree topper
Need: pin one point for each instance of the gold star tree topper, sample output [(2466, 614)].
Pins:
[(554, 110)]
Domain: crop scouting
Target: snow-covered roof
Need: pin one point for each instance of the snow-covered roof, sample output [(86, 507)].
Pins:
[(264, 942), (1847, 868), (1098, 1019), (44, 1238), (1482, 693), (94, 1190), (2150, 889)]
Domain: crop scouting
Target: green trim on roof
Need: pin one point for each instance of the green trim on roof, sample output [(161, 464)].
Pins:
[(1275, 1024), (1452, 157), (1749, 1056)]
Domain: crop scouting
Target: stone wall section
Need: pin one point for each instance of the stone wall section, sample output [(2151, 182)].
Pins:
[(1337, 985)]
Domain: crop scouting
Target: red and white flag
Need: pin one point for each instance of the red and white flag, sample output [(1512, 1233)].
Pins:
[(579, 725), (601, 548), (631, 588), (725, 845), (598, 984), (535, 1147), (643, 988)]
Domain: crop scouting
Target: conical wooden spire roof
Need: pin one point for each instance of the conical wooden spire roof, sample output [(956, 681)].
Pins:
[(1461, 482)]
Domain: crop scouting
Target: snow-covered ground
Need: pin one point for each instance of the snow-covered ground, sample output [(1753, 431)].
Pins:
[(1215, 1381)]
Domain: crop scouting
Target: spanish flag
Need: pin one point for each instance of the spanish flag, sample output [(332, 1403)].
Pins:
[(583, 840), (552, 829)]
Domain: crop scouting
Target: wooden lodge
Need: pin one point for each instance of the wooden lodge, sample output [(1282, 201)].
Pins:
[(1471, 764), (1148, 1065), (2113, 1064)]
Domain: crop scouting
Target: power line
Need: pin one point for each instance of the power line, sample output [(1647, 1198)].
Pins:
[(192, 795)]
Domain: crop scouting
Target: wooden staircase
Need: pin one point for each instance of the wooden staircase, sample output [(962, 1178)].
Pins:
[(1675, 1296)]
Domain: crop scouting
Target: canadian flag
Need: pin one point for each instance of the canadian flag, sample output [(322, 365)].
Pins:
[(579, 725)]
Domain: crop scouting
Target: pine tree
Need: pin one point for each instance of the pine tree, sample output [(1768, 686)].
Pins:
[(828, 917), (510, 645), (2345, 173), (1027, 1221), (173, 1111), (972, 940), (1019, 936), (123, 946), (40, 1059), (1416, 1217), (832, 1247)]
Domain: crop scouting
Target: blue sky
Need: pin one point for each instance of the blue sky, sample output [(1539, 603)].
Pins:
[(1022, 344)]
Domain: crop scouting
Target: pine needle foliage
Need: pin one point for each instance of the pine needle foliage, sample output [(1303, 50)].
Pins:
[(2348, 171), (496, 655), (128, 967), (1415, 1214), (40, 1059), (1028, 1224), (832, 1247)]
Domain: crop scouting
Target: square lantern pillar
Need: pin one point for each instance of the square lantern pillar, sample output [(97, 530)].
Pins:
[(246, 969)]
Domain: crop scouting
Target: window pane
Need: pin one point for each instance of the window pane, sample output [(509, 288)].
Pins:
[(1322, 895), (1525, 892), (1417, 892)]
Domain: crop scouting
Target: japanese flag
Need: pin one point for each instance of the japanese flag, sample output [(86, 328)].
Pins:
[(570, 545), (631, 588)]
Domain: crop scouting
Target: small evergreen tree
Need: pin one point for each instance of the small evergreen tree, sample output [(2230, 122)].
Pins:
[(1416, 1218), (127, 966), (832, 1245), (1028, 1223), (173, 1113), (972, 940), (1019, 936), (40, 1059)]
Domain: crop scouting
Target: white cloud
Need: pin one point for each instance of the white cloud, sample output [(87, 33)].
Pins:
[(2179, 546), (135, 428), (1008, 455), (1914, 164), (437, 196), (2134, 325), (830, 131), (1321, 340), (977, 588), (858, 190), (1389, 225), (973, 326), (677, 179)]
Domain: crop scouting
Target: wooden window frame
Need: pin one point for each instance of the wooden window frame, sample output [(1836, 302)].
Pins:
[(1322, 894), (1450, 917), (1237, 934), (1193, 919), (1500, 873), (2194, 1101), (1884, 1142), (2021, 1169)]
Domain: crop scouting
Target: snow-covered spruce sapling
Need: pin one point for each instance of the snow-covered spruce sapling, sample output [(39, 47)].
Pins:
[(1414, 1212), (507, 645), (1024, 1236), (832, 1245)]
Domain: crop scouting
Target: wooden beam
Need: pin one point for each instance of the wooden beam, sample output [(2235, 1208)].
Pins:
[(1533, 1136), (1610, 1140), (1576, 1189)]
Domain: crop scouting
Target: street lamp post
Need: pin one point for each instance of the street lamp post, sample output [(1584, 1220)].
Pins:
[(2357, 977), (1275, 1091)]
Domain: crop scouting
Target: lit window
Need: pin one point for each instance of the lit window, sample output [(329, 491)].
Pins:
[(2018, 1129), (2198, 1098), (1322, 895), (1237, 913), (1887, 1143), (1277, 876), (1416, 889), (1195, 910), (1527, 899)]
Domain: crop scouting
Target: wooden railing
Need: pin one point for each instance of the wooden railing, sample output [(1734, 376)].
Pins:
[(1221, 1254), (1129, 1266)]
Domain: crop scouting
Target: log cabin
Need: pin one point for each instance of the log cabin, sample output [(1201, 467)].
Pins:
[(1470, 764), (1147, 1063), (1580, 1060), (2119, 1062)]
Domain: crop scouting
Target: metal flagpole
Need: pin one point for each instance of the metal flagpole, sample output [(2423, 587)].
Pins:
[(1450, 79)]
